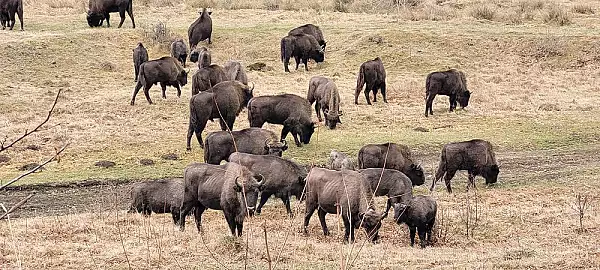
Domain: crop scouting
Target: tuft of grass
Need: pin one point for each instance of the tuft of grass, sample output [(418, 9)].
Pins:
[(583, 9), (160, 35), (557, 15), (483, 12)]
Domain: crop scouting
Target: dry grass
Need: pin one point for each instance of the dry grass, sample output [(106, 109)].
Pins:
[(485, 12), (583, 9), (557, 15)]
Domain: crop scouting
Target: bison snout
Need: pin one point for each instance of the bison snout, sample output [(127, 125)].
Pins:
[(250, 210)]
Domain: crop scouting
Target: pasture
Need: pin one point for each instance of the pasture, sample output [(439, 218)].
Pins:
[(535, 95)]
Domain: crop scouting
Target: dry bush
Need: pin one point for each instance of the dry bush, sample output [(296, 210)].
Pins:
[(341, 5), (160, 35), (557, 15), (549, 47), (408, 3), (431, 12), (271, 4), (531, 5), (484, 12), (583, 9), (198, 4), (72, 4)]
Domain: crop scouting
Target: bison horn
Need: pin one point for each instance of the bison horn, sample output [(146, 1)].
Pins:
[(340, 113), (262, 179), (267, 142), (284, 143), (252, 89), (238, 183)]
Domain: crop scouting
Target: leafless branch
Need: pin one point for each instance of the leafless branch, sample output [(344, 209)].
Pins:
[(16, 206), (267, 245), (34, 169)]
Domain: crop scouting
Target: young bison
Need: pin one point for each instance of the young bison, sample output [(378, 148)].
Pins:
[(159, 196), (418, 214)]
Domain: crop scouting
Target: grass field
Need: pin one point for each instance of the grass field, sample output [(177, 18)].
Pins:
[(535, 87)]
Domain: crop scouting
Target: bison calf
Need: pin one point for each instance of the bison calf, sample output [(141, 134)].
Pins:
[(419, 214), (166, 71), (140, 56), (323, 92), (159, 196), (452, 83), (391, 156), (179, 51), (302, 47), (371, 73), (220, 144)]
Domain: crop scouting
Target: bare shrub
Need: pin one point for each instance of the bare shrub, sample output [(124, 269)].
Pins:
[(484, 12), (581, 205), (160, 35), (471, 213), (549, 47), (198, 4), (271, 4), (583, 9), (408, 3), (442, 227), (432, 12), (557, 15), (341, 5), (531, 5), (70, 4)]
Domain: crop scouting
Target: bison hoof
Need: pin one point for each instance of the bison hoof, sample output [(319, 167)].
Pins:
[(132, 103), (188, 149)]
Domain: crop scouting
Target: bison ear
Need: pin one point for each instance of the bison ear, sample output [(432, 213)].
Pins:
[(237, 186)]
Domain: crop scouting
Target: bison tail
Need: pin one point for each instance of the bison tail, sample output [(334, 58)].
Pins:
[(283, 50), (141, 77), (193, 117), (360, 81), (206, 150), (427, 84), (249, 106), (441, 167)]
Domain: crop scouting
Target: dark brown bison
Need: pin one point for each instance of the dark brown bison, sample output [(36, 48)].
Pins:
[(140, 55), (207, 77), (220, 144), (324, 93), (202, 54), (223, 101), (179, 51), (452, 83), (338, 161), (344, 192), (235, 72), (302, 47), (8, 9), (373, 74), (310, 29), (99, 10), (475, 156), (419, 214), (158, 196), (391, 156), (291, 111), (229, 187), (283, 178), (166, 71), (200, 29), (391, 183)]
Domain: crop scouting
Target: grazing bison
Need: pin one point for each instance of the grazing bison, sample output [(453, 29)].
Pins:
[(200, 29), (8, 9), (419, 214), (166, 71), (283, 177), (229, 187), (343, 192), (323, 92), (158, 196), (140, 55), (310, 29), (223, 101), (291, 111), (101, 9), (235, 72), (391, 183), (207, 77), (302, 47), (373, 74), (391, 156), (452, 83), (201, 54), (220, 144), (475, 156), (179, 51), (338, 161)]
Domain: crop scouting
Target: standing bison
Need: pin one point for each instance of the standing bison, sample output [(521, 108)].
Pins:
[(220, 144), (338, 161), (283, 178), (418, 214), (235, 72), (101, 9), (202, 56), (391, 183), (341, 192), (8, 9), (200, 29), (229, 187), (310, 29), (158, 196), (166, 71), (179, 51), (140, 56), (291, 111), (207, 77), (373, 74), (475, 156), (224, 101), (302, 47), (451, 83), (323, 92), (391, 156)]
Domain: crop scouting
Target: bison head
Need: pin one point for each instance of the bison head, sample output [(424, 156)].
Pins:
[(490, 173), (332, 119), (306, 132), (463, 98), (416, 175), (251, 188), (275, 148), (182, 77), (319, 55), (371, 221), (95, 19)]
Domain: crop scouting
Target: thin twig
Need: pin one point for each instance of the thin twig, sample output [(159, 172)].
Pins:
[(267, 245), (19, 204), (121, 238), (34, 169)]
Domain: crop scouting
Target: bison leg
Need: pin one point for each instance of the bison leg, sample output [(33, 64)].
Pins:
[(297, 61), (286, 63), (310, 209), (107, 16), (367, 91), (163, 87), (422, 239), (374, 90), (322, 214), (11, 20), (130, 13), (135, 92), (429, 230), (471, 180), (349, 230), (184, 210), (288, 207), (305, 62), (295, 135), (178, 90), (232, 224), (198, 216), (387, 208), (429, 104), (447, 178), (264, 196), (413, 231), (318, 111), (122, 14), (383, 93), (175, 215), (452, 102), (147, 93), (356, 94)]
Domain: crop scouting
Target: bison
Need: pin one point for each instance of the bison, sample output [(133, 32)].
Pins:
[(223, 101), (302, 47), (101, 9), (373, 74), (283, 177), (200, 29), (323, 92), (8, 9), (201, 54), (235, 72), (166, 71), (179, 51), (452, 83), (158, 196), (391, 183), (341, 192), (419, 214), (391, 156), (475, 156), (207, 77), (220, 144), (140, 55), (229, 187), (291, 111), (310, 29), (338, 161)]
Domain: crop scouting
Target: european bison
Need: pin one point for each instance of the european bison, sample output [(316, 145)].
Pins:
[(140, 55), (302, 47), (158, 196), (475, 156), (283, 177), (166, 71), (8, 9), (391, 183), (310, 29), (220, 144), (338, 161), (101, 9), (207, 77), (179, 51), (343, 192), (324, 93), (373, 74), (452, 83), (229, 187), (201, 54), (200, 29), (223, 101), (235, 72), (419, 214), (391, 156), (291, 111)]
